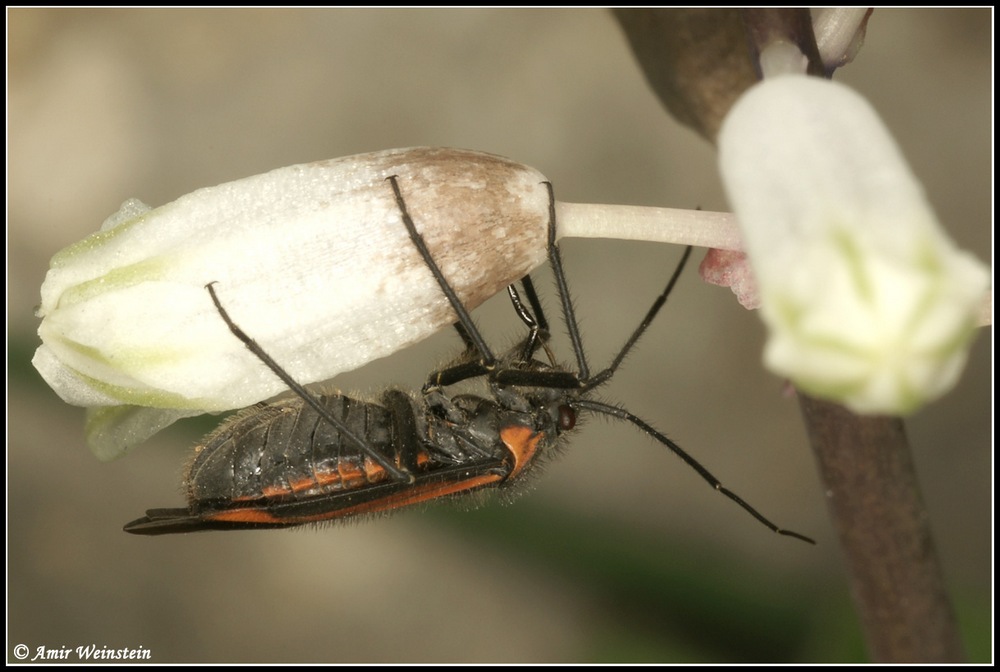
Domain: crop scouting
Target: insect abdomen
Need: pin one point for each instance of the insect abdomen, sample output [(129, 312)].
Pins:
[(286, 450)]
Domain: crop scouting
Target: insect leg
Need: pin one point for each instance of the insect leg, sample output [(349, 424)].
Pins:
[(622, 414), (396, 473), (555, 260), (470, 345), (536, 305), (537, 334), (604, 375), (488, 360)]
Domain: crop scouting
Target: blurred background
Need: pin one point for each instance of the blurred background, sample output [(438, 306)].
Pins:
[(619, 552)]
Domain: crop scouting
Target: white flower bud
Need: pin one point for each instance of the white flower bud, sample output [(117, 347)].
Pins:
[(867, 300), (312, 261)]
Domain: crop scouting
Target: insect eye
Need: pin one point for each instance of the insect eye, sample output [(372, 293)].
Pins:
[(567, 418)]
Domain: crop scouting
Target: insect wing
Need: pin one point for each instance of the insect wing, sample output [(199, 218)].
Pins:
[(372, 499)]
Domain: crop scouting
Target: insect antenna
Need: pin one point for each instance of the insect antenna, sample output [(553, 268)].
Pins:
[(622, 414), (586, 384), (603, 376)]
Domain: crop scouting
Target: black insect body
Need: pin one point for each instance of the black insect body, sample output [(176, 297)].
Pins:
[(283, 464), (314, 458)]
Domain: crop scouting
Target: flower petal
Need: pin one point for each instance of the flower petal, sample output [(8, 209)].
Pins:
[(112, 431), (867, 300)]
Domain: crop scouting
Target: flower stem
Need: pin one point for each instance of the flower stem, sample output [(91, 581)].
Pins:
[(676, 226), (660, 225), (875, 503)]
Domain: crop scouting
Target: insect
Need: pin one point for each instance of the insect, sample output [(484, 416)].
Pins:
[(315, 458)]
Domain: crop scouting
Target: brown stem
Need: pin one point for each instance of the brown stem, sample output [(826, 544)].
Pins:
[(876, 507)]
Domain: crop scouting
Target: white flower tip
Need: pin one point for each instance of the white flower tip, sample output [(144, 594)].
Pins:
[(867, 301), (878, 334), (65, 381)]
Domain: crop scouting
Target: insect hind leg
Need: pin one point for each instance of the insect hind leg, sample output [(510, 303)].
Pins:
[(395, 472)]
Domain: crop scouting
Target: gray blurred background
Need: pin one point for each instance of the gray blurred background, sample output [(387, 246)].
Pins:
[(619, 552)]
